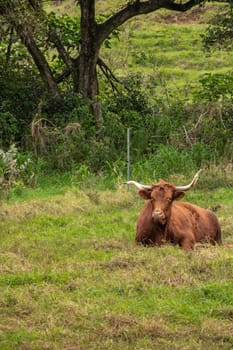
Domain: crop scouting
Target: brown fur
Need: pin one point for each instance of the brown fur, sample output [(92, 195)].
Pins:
[(162, 220)]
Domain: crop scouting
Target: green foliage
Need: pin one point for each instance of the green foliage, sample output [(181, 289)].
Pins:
[(219, 33), (168, 160), (15, 170), (169, 122), (20, 91), (68, 30), (8, 129), (172, 132), (132, 98), (201, 153), (214, 95), (215, 86)]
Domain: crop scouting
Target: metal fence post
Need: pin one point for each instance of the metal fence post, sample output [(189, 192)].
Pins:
[(128, 155)]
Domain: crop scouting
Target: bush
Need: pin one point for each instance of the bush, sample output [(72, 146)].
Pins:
[(19, 99), (166, 160), (9, 128), (14, 170)]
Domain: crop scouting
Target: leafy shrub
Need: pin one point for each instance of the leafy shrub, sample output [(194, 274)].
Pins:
[(19, 98), (8, 129), (214, 100), (132, 98), (13, 169), (215, 86), (165, 161), (220, 32), (201, 153)]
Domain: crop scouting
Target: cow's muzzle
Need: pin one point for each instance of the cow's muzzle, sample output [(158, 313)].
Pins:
[(159, 216)]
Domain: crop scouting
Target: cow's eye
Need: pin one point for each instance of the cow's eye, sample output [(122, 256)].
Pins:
[(169, 200)]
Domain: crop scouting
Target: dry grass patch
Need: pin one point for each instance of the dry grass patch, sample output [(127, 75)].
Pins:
[(70, 202), (13, 263), (219, 332), (132, 328), (73, 201)]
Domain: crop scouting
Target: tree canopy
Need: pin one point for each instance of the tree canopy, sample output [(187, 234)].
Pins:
[(39, 31), (50, 84)]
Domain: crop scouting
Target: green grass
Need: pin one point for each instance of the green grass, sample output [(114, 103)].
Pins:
[(157, 44), (174, 50), (72, 278)]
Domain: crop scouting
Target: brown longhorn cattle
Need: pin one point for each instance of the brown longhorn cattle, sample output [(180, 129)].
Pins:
[(162, 219)]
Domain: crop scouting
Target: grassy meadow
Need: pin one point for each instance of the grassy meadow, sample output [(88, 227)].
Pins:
[(168, 54), (72, 277)]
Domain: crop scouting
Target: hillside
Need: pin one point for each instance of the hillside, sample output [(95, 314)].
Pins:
[(168, 46), (163, 45)]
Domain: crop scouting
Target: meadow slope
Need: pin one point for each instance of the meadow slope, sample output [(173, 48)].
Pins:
[(72, 277)]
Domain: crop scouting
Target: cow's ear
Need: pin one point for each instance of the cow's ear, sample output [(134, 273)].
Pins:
[(178, 195), (145, 194)]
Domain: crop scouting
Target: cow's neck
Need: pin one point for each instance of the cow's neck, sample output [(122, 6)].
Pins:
[(160, 233)]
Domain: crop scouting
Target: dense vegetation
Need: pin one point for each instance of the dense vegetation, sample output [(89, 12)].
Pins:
[(175, 97)]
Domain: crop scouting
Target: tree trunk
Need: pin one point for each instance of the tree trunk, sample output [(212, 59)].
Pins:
[(84, 72), (84, 67)]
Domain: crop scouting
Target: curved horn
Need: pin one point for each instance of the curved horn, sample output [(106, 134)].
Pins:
[(193, 183), (138, 185)]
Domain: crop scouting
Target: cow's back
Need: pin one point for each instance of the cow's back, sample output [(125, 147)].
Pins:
[(189, 219)]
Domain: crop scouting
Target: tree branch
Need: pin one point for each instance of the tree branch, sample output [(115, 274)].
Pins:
[(54, 38), (135, 8), (8, 52), (108, 73), (63, 75), (112, 79)]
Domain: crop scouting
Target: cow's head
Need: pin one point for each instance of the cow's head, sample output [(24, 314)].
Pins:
[(161, 196)]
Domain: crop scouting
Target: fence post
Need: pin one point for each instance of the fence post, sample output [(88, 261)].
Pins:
[(128, 155)]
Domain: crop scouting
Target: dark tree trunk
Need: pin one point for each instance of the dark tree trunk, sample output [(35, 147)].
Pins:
[(84, 67), (85, 74), (8, 52)]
